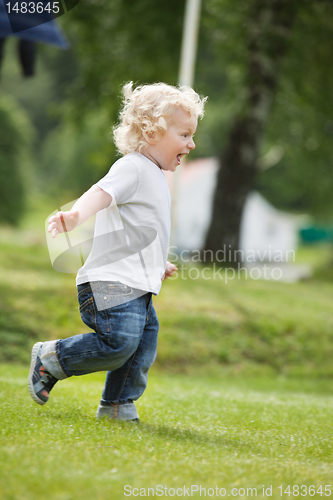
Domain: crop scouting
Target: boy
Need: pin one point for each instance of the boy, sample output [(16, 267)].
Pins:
[(128, 260)]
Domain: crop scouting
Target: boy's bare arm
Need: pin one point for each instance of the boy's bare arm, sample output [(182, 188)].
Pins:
[(91, 202)]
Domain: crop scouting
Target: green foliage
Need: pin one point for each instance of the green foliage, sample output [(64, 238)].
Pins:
[(75, 158), (15, 162), (301, 124), (40, 101), (300, 127), (229, 433), (116, 42), (42, 95)]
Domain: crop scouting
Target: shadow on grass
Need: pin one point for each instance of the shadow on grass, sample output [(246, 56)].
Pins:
[(193, 437), (81, 417)]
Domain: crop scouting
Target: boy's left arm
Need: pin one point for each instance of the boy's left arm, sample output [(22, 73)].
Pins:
[(170, 269)]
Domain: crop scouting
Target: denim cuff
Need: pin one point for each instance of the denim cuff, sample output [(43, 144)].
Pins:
[(123, 411), (50, 360)]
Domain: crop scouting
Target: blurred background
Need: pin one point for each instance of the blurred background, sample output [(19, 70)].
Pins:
[(260, 178)]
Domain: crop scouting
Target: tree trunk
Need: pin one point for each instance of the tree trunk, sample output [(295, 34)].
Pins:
[(269, 26)]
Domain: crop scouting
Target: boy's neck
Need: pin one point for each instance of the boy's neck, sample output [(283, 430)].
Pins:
[(150, 157)]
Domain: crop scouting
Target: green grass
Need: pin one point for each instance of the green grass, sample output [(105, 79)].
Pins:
[(244, 326), (240, 395), (224, 432), (248, 325)]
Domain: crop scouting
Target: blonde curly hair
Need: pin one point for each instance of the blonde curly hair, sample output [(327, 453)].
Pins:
[(148, 108)]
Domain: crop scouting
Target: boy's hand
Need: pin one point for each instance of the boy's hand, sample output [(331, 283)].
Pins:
[(91, 202), (63, 222), (169, 270)]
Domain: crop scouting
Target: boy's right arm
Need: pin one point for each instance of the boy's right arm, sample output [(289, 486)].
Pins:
[(91, 202)]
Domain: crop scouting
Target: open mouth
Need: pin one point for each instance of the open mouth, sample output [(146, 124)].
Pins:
[(179, 157)]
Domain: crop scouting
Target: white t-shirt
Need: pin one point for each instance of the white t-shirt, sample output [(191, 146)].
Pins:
[(131, 237)]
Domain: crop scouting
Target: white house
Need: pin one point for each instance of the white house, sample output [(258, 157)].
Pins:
[(267, 234)]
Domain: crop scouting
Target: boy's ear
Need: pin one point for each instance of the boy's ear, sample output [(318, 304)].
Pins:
[(149, 135)]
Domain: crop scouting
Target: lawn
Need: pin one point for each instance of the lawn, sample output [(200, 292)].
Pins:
[(239, 401), (244, 326), (195, 431)]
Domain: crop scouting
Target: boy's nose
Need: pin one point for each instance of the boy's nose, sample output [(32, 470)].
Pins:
[(191, 144)]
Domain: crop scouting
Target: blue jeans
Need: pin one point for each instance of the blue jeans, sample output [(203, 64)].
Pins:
[(123, 343)]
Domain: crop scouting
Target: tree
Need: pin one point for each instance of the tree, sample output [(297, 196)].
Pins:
[(16, 134), (244, 65), (301, 124), (117, 41), (114, 42), (269, 28)]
